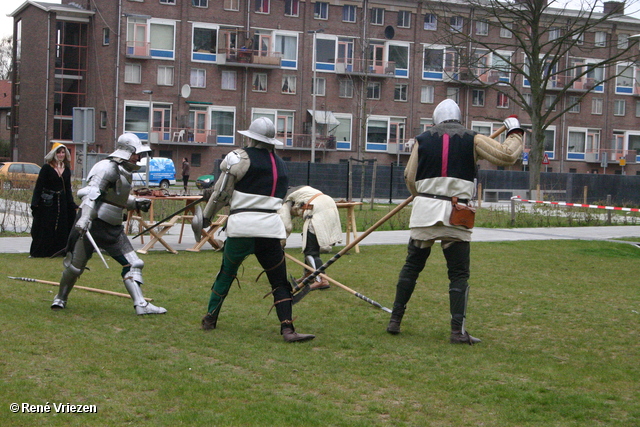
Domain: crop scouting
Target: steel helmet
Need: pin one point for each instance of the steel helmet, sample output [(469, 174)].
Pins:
[(447, 111), (262, 129), (128, 144)]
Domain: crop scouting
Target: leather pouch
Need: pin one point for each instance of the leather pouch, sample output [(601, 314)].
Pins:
[(462, 215)]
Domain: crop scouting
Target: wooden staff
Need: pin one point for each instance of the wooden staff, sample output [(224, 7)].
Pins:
[(335, 282), (84, 288)]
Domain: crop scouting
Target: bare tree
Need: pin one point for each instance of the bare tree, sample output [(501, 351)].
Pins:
[(6, 46), (546, 60)]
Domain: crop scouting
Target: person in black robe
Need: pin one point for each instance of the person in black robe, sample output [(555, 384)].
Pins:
[(52, 204)]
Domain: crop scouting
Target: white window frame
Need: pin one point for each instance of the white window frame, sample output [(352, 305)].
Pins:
[(478, 97), (430, 22), (623, 41), (600, 39), (482, 27), (373, 89), (319, 86), (404, 19), (264, 8), (401, 92), (201, 3), (289, 84), (427, 94), (456, 23), (321, 10), (349, 13), (376, 16), (198, 78), (294, 6), (229, 80), (262, 81), (575, 108), (505, 30), (619, 107), (165, 75), (596, 106), (132, 73), (231, 5), (346, 88)]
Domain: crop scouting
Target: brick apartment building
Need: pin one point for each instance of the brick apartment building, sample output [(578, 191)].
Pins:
[(207, 68), (5, 111)]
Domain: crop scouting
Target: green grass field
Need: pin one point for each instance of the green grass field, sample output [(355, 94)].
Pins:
[(559, 324)]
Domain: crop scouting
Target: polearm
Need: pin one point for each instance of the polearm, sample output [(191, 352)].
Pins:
[(340, 285), (303, 288), (179, 211), (84, 288), (88, 235)]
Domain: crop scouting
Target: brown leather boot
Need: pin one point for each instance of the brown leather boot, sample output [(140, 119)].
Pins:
[(209, 321), (290, 335), (458, 337), (322, 284)]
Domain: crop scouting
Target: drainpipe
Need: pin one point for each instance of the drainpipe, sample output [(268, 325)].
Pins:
[(46, 86), (117, 98)]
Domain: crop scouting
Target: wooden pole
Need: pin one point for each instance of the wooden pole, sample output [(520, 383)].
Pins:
[(84, 288)]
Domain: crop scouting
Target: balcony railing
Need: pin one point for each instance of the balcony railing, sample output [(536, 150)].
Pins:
[(243, 57), (368, 67), (180, 136), (138, 49), (612, 155)]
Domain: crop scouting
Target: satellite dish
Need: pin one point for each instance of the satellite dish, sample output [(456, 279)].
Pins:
[(185, 91), (389, 32)]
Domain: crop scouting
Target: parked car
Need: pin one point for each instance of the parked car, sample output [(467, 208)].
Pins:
[(205, 181), (18, 175), (162, 173)]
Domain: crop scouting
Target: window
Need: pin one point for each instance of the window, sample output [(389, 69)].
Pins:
[(430, 22), (477, 98), (427, 94), (554, 33), (229, 79), (400, 92), (399, 55), (377, 16), (204, 44), (200, 3), (291, 7), (222, 122), (482, 28), (320, 86), (343, 131), (579, 38), (321, 10), (262, 6), (137, 37), (198, 78), (453, 93), (106, 36), (348, 13), (259, 82), (596, 106), (527, 99), (623, 41), (619, 107), (404, 19), (103, 120), (168, 2), (289, 84), (550, 102), (196, 160), (231, 4), (456, 23), (624, 78), (600, 39), (346, 88), (165, 75), (373, 90), (132, 73), (287, 46), (582, 140), (505, 30), (574, 101), (637, 109), (433, 60), (162, 40), (503, 100), (136, 117)]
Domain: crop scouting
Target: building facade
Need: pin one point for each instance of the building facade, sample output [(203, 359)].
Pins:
[(340, 78)]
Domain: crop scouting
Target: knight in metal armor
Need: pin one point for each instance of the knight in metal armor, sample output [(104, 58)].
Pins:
[(104, 199), (253, 183), (321, 228), (441, 168)]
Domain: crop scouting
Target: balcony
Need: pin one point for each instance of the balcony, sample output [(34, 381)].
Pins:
[(183, 136), (367, 67), (138, 49), (303, 142), (613, 156), (560, 81), (249, 58)]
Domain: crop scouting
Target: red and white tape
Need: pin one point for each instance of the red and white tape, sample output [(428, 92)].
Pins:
[(577, 205)]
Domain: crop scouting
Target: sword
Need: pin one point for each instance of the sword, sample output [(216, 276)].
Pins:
[(95, 247), (179, 211)]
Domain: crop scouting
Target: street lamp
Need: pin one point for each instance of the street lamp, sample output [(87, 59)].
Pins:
[(150, 93), (313, 94)]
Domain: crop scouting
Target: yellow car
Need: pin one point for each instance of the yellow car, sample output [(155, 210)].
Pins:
[(18, 175)]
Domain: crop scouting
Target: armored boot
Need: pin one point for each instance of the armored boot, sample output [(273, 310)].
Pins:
[(141, 305), (396, 318), (69, 277)]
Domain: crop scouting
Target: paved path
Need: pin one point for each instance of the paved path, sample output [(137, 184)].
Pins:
[(400, 237)]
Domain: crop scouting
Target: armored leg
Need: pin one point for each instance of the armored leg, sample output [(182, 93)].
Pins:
[(132, 278), (414, 264), (74, 264)]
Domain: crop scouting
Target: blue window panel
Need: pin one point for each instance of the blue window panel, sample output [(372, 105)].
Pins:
[(206, 57), (166, 136), (325, 66), (402, 73), (142, 135), (526, 83), (156, 53), (432, 75), (225, 140), (626, 90), (288, 63), (550, 155), (598, 88), (371, 146), (343, 146), (575, 156)]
